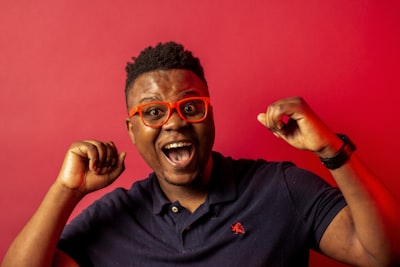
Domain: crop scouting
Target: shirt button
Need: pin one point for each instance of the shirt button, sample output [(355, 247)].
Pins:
[(174, 209)]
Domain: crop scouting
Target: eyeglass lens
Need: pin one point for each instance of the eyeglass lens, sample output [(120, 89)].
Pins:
[(190, 110)]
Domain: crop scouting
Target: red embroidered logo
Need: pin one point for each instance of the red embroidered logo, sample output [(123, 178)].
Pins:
[(238, 228)]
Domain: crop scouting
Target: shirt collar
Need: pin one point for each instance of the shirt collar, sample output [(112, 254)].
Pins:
[(222, 186)]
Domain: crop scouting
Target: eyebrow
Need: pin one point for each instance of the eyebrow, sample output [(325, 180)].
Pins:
[(148, 99), (183, 94), (191, 92)]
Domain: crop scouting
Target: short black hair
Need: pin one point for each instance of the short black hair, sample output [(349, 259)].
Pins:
[(164, 56)]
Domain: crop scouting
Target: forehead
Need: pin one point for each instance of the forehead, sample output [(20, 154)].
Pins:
[(165, 85)]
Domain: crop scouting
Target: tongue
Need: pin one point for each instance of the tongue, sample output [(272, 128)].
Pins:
[(179, 154)]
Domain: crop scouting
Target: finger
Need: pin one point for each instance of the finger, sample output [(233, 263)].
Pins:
[(266, 118), (262, 119), (273, 117), (108, 156), (112, 173), (111, 157), (101, 153), (88, 152), (284, 112), (120, 164)]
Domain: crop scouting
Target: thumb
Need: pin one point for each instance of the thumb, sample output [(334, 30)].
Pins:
[(118, 169), (121, 161), (262, 119), (119, 166)]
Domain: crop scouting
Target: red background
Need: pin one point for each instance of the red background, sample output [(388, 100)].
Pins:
[(62, 79)]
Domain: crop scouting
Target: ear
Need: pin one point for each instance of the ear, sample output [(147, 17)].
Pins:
[(129, 128)]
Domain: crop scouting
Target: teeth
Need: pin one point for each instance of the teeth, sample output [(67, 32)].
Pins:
[(177, 145)]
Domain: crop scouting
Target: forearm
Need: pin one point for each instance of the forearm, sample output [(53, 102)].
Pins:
[(374, 210), (364, 232), (36, 243)]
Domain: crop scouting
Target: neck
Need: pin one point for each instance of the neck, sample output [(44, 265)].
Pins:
[(190, 196)]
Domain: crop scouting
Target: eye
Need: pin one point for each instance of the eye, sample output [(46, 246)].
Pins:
[(154, 112), (190, 108)]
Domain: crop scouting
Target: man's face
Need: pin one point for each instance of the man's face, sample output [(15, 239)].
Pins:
[(179, 152)]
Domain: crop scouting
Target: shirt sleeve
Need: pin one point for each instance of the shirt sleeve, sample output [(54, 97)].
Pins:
[(76, 235), (316, 201)]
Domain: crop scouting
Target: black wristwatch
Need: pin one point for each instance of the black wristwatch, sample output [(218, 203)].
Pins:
[(342, 156)]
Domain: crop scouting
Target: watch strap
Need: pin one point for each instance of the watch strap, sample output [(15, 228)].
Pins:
[(342, 156)]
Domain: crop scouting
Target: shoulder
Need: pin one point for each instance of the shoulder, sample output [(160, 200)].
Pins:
[(139, 191), (250, 167), (254, 175)]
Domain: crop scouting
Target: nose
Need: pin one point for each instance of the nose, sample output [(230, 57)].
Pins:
[(174, 122)]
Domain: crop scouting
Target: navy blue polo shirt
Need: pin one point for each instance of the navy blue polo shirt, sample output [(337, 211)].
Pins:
[(257, 213)]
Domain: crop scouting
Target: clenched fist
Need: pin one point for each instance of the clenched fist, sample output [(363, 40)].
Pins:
[(293, 120), (91, 165)]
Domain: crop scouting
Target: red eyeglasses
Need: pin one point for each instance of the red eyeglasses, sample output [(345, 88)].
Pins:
[(156, 114)]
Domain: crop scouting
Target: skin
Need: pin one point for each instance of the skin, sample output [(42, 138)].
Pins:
[(87, 167), (186, 184), (366, 232), (358, 235)]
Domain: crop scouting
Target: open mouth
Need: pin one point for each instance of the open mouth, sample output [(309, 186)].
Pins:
[(178, 152)]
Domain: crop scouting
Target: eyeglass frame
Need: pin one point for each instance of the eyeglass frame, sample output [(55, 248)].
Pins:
[(171, 106)]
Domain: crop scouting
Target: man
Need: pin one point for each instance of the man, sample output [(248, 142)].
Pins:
[(200, 208)]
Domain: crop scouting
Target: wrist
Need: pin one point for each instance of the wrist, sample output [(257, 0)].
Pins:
[(341, 156), (63, 191), (334, 144)]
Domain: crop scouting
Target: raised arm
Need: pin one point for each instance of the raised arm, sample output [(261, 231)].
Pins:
[(366, 232), (88, 166)]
